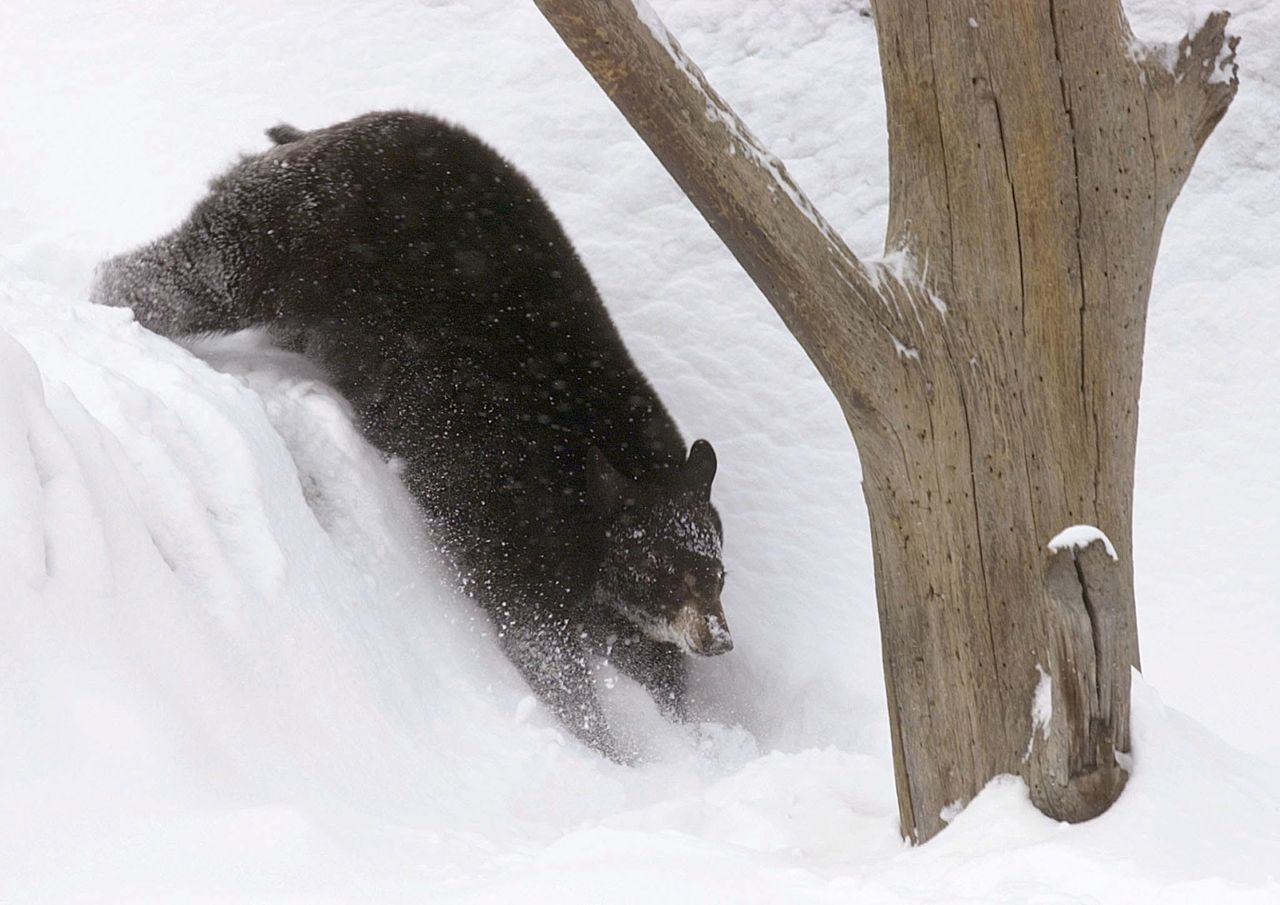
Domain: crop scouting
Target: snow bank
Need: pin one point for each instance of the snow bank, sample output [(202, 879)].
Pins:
[(222, 613)]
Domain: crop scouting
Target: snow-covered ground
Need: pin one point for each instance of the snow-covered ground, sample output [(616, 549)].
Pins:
[(227, 671)]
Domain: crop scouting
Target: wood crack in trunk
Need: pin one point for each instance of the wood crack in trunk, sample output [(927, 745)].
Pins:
[(977, 521), (1013, 198), (942, 143), (1094, 629), (1073, 140), (1158, 208)]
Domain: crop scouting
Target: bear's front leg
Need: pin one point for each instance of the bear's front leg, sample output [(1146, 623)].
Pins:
[(554, 663), (660, 667)]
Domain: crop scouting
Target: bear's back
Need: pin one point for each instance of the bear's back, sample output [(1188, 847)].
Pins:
[(430, 280), (410, 230), (466, 332)]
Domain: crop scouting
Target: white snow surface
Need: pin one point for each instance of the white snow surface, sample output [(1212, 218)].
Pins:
[(229, 672)]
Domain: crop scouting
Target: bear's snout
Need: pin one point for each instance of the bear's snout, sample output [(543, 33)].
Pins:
[(702, 629)]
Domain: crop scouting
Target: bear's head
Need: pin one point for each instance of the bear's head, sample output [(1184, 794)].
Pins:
[(661, 569)]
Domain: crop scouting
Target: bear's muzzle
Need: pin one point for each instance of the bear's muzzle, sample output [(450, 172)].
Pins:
[(701, 629)]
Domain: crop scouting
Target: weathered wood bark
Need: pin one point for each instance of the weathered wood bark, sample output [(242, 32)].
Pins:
[(1035, 150)]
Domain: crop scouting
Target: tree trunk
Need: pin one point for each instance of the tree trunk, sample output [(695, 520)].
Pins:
[(991, 378)]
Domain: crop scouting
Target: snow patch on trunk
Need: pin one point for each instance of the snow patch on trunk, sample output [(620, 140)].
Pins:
[(1079, 537), (1041, 710)]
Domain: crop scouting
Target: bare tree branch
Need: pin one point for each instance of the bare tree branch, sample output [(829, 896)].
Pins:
[(1208, 59), (838, 308), (1191, 85)]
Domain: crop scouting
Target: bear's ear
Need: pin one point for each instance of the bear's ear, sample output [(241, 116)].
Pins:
[(699, 471), (607, 488), (284, 134)]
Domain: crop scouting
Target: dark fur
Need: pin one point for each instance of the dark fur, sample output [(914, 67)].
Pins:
[(435, 287)]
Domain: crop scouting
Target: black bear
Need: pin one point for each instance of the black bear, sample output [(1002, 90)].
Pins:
[(435, 288)]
